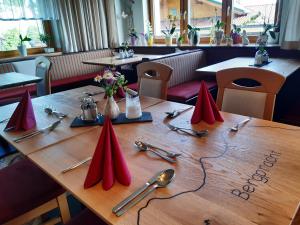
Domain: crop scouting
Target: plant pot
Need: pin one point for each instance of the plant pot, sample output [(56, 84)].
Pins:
[(150, 41), (133, 41), (219, 34), (48, 50), (168, 40), (111, 108), (179, 43), (194, 37), (236, 38), (261, 57), (22, 50)]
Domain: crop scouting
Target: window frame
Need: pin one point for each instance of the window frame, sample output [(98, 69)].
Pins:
[(227, 18), (31, 51)]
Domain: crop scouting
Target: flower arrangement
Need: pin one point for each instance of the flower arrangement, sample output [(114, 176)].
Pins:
[(193, 34), (170, 29), (149, 34), (219, 25), (132, 33), (236, 34), (111, 81)]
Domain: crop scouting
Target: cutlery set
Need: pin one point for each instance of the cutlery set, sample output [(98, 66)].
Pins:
[(160, 180), (176, 113), (188, 131)]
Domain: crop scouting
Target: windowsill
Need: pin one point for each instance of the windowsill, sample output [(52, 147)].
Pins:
[(252, 45), (28, 57)]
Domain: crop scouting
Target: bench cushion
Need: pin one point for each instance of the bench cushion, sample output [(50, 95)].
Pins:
[(185, 91), (24, 187), (86, 217), (6, 68)]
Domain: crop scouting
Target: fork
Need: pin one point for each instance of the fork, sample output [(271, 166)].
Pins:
[(238, 125), (194, 133)]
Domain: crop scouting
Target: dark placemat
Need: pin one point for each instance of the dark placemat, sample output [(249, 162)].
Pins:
[(261, 65), (146, 117)]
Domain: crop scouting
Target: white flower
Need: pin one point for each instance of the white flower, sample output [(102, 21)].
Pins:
[(98, 78), (108, 75)]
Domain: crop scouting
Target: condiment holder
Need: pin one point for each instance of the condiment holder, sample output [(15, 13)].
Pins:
[(133, 105), (89, 109)]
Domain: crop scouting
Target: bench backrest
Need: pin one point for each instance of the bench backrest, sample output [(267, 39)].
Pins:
[(7, 67), (70, 65), (184, 66)]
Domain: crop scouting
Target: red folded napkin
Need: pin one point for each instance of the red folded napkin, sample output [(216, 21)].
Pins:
[(206, 108), (23, 117), (108, 162)]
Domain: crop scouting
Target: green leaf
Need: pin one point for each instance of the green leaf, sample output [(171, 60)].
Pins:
[(189, 27), (272, 34), (172, 30)]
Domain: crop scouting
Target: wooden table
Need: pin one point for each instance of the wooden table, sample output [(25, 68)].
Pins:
[(13, 79), (284, 67), (249, 177), (116, 62)]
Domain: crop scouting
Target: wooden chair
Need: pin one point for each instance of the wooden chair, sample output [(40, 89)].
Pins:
[(257, 101), (153, 79), (296, 217), (27, 193), (42, 70)]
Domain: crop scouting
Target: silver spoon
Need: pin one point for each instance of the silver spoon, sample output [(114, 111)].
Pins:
[(169, 154), (176, 113), (51, 111), (161, 181), (236, 127), (143, 147)]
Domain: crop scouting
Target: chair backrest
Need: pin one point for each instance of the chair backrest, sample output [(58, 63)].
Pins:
[(296, 217), (153, 79), (42, 70), (255, 101)]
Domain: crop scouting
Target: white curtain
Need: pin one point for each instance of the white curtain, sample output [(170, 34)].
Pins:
[(27, 9), (87, 25), (290, 24)]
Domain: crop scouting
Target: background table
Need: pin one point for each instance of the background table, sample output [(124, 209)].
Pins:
[(229, 159), (115, 61), (285, 67), (13, 79)]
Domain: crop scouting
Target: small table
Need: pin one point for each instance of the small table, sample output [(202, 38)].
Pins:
[(114, 61), (13, 79), (285, 67)]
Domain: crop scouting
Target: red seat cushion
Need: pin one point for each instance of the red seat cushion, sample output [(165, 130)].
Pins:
[(86, 217), (133, 86), (73, 79), (24, 187), (14, 94), (188, 90)]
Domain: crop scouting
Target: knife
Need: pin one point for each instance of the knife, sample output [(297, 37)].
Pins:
[(34, 133), (151, 181)]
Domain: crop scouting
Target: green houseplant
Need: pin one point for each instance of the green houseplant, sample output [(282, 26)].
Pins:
[(219, 32), (170, 30), (46, 39), (193, 35), (22, 47)]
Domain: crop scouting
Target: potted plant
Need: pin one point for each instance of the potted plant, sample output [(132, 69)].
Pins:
[(180, 39), (193, 35), (46, 39), (264, 36), (236, 34), (111, 81), (133, 36), (169, 31), (219, 32), (149, 34), (22, 47)]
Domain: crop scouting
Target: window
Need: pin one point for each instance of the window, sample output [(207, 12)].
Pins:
[(251, 15), (10, 30), (246, 14), (203, 14), (161, 11)]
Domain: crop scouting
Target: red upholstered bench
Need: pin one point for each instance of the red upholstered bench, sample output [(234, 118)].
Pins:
[(184, 92), (23, 188), (86, 217)]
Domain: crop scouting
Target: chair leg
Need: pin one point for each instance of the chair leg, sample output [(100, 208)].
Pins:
[(63, 207)]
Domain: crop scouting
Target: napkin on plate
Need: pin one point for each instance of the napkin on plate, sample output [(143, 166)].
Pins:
[(108, 163), (23, 117), (206, 109)]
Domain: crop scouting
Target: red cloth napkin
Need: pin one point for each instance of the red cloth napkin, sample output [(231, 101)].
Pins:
[(23, 117), (108, 162), (206, 108)]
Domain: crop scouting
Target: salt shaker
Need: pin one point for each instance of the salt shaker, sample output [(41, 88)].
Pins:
[(89, 109)]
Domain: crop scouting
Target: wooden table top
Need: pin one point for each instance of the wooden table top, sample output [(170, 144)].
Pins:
[(114, 61), (284, 67), (13, 79), (244, 178)]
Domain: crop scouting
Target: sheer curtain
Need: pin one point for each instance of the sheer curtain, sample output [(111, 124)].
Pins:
[(27, 9), (290, 24), (86, 25)]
